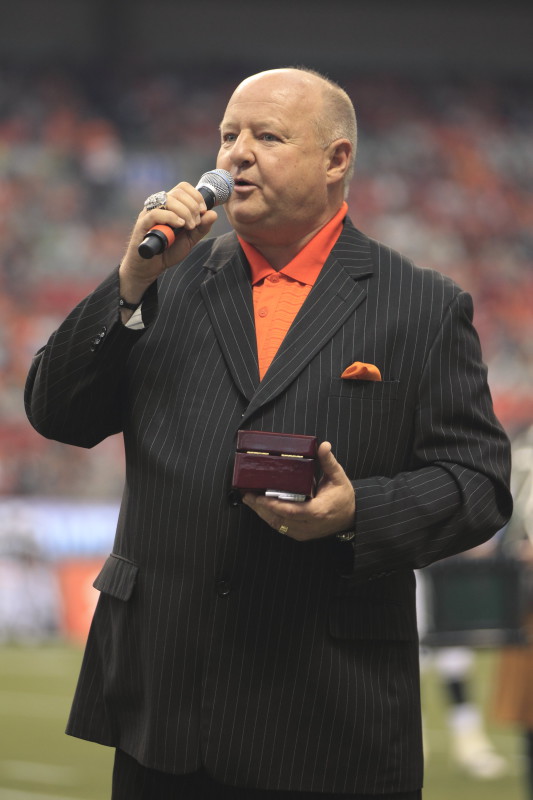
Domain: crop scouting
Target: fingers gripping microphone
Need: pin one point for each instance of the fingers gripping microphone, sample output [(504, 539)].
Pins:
[(215, 187)]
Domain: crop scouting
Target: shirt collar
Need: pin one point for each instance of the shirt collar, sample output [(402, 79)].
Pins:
[(307, 263)]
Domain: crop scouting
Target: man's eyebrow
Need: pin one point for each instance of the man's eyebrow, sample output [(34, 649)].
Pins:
[(259, 123)]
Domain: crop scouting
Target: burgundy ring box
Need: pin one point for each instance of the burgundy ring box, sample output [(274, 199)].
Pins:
[(279, 464)]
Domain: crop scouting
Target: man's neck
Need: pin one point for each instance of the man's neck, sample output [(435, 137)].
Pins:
[(279, 255)]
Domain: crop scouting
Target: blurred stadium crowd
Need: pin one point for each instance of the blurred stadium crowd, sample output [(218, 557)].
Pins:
[(444, 173)]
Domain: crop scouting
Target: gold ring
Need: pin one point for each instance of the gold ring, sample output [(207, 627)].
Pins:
[(283, 529)]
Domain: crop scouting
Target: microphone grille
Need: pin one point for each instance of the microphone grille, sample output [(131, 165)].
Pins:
[(220, 182)]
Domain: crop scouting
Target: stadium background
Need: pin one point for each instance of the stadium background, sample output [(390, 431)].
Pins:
[(102, 103)]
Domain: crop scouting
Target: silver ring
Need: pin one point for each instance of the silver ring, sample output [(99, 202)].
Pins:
[(284, 529), (157, 200)]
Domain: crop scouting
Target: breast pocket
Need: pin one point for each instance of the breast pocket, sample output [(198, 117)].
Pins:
[(362, 417), (364, 391)]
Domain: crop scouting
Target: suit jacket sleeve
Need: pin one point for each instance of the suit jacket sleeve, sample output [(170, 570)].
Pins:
[(455, 494), (76, 383)]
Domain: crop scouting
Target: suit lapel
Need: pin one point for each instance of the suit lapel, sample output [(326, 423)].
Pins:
[(227, 293)]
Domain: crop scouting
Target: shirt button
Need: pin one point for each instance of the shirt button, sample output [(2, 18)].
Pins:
[(263, 311), (273, 278), (223, 588)]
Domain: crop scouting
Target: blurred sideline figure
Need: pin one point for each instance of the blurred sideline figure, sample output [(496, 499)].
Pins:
[(513, 696), (470, 746)]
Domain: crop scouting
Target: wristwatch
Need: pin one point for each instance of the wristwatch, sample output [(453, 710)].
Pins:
[(345, 536)]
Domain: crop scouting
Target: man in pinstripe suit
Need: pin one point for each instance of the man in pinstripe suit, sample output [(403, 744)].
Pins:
[(264, 648)]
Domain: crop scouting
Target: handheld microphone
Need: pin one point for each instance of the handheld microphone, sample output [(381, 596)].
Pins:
[(215, 187)]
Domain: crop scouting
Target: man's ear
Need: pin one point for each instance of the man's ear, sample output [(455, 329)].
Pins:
[(339, 153)]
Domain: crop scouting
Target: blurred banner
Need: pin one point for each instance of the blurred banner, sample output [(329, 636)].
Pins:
[(50, 554), (78, 595)]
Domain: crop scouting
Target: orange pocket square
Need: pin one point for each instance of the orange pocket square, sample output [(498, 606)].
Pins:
[(360, 371)]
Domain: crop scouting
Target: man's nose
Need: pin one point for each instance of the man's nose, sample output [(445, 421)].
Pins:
[(242, 151)]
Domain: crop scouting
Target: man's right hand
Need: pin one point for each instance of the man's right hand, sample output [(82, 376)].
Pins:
[(185, 210)]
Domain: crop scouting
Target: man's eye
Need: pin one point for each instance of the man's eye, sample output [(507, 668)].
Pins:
[(269, 137), (228, 137)]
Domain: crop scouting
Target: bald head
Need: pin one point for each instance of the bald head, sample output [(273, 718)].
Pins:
[(334, 116)]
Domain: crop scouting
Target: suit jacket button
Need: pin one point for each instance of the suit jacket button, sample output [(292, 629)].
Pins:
[(234, 498), (223, 588)]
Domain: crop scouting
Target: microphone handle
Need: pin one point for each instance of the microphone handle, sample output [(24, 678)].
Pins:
[(160, 237)]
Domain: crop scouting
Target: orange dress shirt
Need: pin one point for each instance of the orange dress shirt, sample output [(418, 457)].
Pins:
[(279, 295)]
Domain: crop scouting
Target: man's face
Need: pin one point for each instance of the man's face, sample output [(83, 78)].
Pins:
[(269, 144)]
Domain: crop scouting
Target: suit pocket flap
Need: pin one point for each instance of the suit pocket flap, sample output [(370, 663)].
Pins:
[(117, 577), (361, 619)]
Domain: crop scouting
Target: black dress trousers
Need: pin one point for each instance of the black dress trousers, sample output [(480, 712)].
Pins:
[(132, 781)]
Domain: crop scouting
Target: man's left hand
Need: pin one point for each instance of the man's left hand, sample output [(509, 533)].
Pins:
[(330, 511)]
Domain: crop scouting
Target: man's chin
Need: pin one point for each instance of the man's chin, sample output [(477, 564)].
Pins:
[(245, 218)]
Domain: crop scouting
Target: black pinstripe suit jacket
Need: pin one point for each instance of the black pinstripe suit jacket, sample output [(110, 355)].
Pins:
[(275, 664)]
